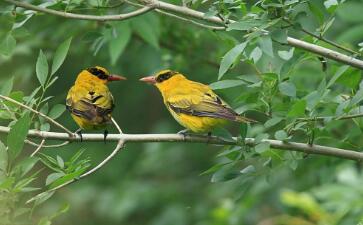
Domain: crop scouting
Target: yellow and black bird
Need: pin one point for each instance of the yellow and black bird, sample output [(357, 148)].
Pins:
[(194, 105), (89, 100)]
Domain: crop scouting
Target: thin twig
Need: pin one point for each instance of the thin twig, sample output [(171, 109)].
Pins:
[(39, 148), (347, 117), (119, 146), (47, 146), (81, 16), (47, 118)]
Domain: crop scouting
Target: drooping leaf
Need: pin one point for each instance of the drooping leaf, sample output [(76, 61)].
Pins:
[(297, 109), (60, 55), (265, 43), (7, 86), (229, 58), (17, 135), (42, 68), (287, 88), (117, 44)]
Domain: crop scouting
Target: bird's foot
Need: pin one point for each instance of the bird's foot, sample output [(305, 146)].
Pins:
[(184, 133), (209, 137), (105, 133), (79, 132)]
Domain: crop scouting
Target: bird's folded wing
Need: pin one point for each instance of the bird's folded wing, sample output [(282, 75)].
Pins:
[(202, 104), (90, 105)]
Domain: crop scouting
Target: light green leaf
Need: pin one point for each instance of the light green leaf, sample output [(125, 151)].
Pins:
[(265, 43), (248, 169), (331, 5), (244, 25), (272, 122), (281, 135), (350, 78), (286, 55), (297, 109), (256, 54), (17, 135), (42, 68), (3, 159), (262, 147), (287, 88), (57, 111), (117, 44), (229, 58), (60, 55), (337, 74), (7, 45), (7, 86), (223, 84)]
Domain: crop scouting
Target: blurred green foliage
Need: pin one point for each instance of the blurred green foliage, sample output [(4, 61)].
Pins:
[(173, 183)]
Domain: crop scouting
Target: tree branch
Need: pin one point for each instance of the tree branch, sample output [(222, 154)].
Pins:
[(155, 4), (144, 138), (124, 16)]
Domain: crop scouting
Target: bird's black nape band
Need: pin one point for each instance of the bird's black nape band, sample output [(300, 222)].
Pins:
[(98, 73)]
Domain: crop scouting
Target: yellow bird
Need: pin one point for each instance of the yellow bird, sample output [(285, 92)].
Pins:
[(89, 100), (194, 105)]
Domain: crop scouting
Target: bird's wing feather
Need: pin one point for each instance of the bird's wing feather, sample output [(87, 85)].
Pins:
[(201, 103), (90, 104)]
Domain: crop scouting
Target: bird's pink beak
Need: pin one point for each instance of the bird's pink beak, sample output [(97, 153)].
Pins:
[(149, 79), (113, 77)]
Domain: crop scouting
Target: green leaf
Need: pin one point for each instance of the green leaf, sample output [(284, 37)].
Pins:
[(7, 86), (256, 54), (42, 68), (17, 135), (317, 11), (225, 174), (265, 43), (57, 111), (52, 177), (42, 197), (243, 131), (26, 165), (287, 88), (3, 160), (286, 55), (60, 55), (223, 84), (341, 70), (350, 78), (297, 109), (7, 44), (117, 44), (272, 122), (245, 24), (229, 58), (249, 169), (223, 133), (351, 12), (281, 135), (145, 27), (262, 147), (331, 5), (279, 35)]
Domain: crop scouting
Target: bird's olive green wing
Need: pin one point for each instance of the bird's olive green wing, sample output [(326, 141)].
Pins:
[(90, 104), (206, 104)]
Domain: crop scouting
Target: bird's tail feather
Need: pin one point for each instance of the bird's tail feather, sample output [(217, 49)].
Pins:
[(243, 119)]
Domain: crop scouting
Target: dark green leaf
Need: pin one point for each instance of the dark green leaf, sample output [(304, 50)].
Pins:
[(245, 24), (272, 122), (243, 131), (17, 135), (262, 147), (57, 111), (3, 160)]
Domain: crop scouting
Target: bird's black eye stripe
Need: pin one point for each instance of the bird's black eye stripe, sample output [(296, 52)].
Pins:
[(164, 76), (97, 72)]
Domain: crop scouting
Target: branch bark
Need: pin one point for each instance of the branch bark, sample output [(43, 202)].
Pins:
[(124, 16), (163, 6), (144, 138)]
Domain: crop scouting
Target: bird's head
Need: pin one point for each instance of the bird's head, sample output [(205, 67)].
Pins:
[(163, 78), (101, 74)]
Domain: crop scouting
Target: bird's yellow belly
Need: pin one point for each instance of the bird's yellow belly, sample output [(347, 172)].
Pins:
[(198, 124), (85, 124)]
